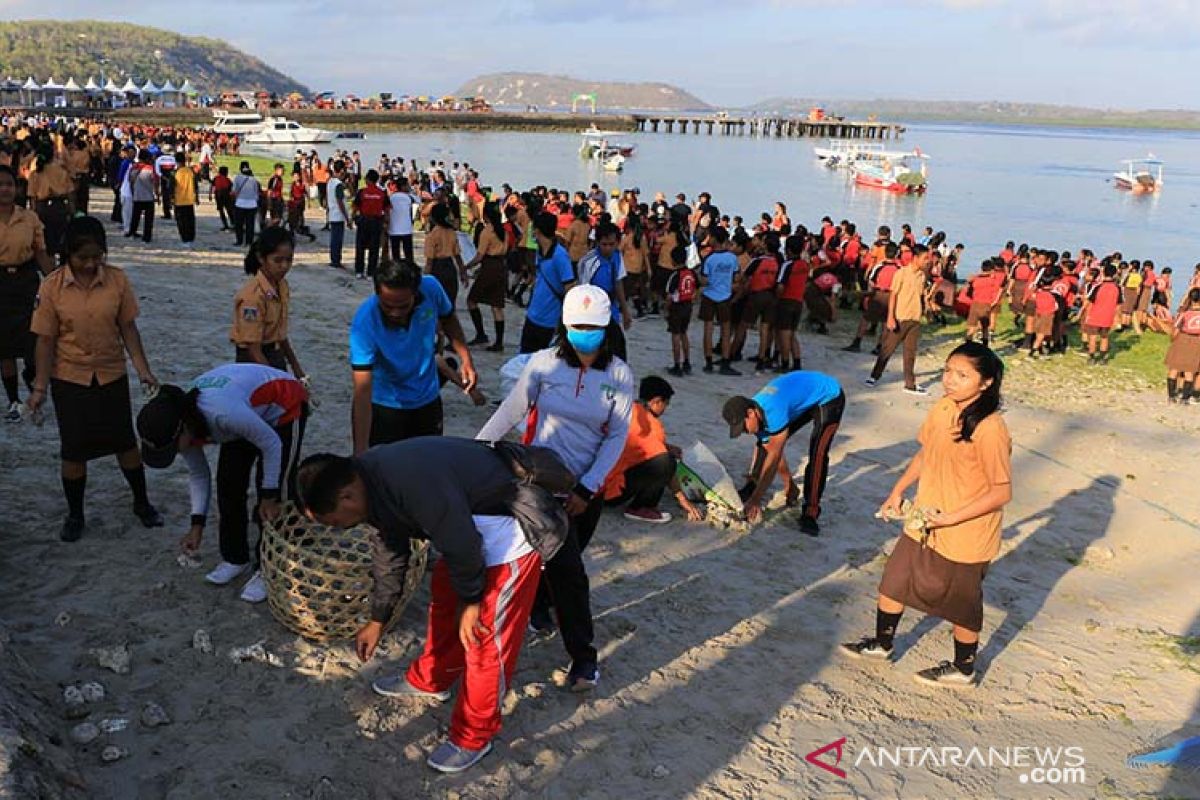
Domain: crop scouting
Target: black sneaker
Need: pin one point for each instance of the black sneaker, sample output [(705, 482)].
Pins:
[(867, 647), (875, 350), (497, 347), (677, 371), (149, 515), (853, 347), (687, 368), (72, 529), (725, 369), (708, 367), (946, 674), (478, 340), (809, 525)]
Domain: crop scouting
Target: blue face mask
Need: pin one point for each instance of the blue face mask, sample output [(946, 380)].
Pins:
[(586, 342)]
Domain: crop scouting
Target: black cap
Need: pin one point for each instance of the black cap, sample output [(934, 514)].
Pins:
[(734, 413), (158, 426)]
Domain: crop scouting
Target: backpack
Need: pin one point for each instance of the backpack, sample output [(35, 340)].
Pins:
[(685, 287), (538, 475)]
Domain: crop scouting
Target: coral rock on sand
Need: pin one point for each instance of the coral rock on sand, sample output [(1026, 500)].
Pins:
[(113, 753), (154, 715), (202, 641), (73, 696), (115, 658), (85, 733), (93, 692)]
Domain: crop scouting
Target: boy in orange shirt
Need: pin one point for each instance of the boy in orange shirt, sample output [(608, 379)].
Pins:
[(647, 465)]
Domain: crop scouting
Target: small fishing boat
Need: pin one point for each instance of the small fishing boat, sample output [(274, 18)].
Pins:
[(906, 175), (596, 140), (838, 154), (1140, 176), (278, 130)]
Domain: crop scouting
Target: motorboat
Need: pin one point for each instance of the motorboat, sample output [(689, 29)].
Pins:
[(279, 130), (236, 122), (1140, 176), (906, 175), (615, 162), (840, 153), (598, 141)]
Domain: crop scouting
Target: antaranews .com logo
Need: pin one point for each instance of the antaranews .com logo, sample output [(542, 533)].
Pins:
[(1032, 764)]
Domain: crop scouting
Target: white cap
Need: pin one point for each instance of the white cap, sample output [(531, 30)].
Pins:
[(586, 305)]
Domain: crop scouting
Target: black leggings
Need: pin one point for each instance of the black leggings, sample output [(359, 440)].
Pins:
[(234, 464), (646, 482), (565, 586)]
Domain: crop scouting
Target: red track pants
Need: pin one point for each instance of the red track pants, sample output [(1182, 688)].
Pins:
[(486, 669)]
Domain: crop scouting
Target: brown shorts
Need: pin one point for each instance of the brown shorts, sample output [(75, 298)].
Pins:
[(978, 313), (787, 314), (876, 307), (678, 317), (1095, 330), (710, 309), (1129, 300), (1043, 324), (759, 306), (1184, 353), (491, 283), (922, 579)]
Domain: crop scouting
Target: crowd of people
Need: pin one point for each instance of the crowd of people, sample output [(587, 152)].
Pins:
[(511, 522)]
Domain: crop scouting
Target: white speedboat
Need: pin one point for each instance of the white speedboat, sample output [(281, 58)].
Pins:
[(840, 153), (236, 122), (615, 162), (278, 130), (596, 143), (1140, 176)]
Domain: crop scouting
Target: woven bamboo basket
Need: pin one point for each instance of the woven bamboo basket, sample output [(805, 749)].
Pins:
[(319, 578)]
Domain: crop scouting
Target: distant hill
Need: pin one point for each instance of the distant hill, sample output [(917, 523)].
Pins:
[(994, 112), (120, 50), (556, 92)]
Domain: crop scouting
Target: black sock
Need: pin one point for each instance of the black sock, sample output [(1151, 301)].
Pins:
[(1185, 391), (1172, 389), (1028, 342), (73, 488), (10, 387), (964, 656), (499, 332), (136, 478), (885, 627), (477, 321)]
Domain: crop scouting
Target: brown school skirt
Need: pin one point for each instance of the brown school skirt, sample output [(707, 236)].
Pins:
[(1129, 299), (446, 273), (18, 294), (1043, 324), (979, 312), (1184, 353), (919, 578), (1016, 297), (491, 283)]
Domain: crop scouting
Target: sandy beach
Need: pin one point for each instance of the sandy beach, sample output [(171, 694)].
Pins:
[(718, 648)]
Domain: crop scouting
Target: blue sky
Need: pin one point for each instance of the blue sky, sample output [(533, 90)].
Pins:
[(1105, 53)]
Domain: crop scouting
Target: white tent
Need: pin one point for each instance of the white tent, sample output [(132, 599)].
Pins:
[(31, 90), (54, 93), (91, 85), (111, 88), (170, 94), (72, 86), (187, 89), (31, 85), (150, 88), (130, 87), (52, 85)]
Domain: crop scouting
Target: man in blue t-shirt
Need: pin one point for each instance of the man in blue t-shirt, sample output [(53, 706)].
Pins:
[(716, 277), (604, 267), (780, 409), (552, 277), (393, 342)]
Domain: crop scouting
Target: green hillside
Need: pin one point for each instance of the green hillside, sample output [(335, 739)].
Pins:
[(119, 50)]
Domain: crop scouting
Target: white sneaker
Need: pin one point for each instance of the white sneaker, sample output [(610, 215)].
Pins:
[(255, 590), (224, 572), (870, 382), (918, 390), (14, 413)]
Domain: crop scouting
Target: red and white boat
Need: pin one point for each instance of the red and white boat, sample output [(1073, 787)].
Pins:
[(906, 175)]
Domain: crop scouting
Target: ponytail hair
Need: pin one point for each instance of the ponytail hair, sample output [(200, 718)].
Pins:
[(267, 242), (990, 368)]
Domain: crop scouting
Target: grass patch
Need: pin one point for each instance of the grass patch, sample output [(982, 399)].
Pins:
[(1181, 649), (1132, 356), (262, 166)]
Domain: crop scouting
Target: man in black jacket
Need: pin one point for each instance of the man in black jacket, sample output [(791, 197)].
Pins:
[(457, 493)]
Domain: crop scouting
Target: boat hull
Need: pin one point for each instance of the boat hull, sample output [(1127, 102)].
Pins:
[(886, 185)]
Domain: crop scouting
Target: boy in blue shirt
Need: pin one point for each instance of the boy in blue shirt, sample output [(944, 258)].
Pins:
[(716, 277), (779, 410), (393, 341), (552, 278)]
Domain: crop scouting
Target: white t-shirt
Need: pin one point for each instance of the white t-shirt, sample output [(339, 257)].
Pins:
[(335, 211), (400, 223), (503, 539), (245, 190)]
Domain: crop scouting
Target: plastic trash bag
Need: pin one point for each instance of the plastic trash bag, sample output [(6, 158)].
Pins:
[(466, 246), (704, 478)]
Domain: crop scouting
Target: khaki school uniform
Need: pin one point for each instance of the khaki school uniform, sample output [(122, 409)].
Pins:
[(260, 316), (575, 239)]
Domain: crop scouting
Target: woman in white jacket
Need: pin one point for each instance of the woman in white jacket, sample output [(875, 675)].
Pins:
[(576, 399)]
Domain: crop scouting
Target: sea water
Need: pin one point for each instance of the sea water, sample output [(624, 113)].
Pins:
[(1050, 187)]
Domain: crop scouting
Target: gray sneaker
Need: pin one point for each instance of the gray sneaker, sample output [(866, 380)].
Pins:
[(946, 674), (450, 758), (398, 686), (867, 647)]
